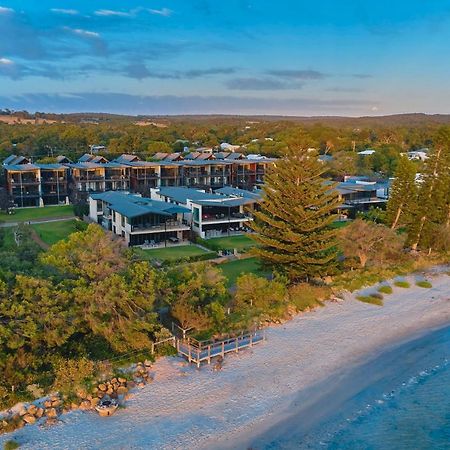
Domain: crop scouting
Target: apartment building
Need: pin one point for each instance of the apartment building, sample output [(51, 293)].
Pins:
[(211, 214), (139, 220)]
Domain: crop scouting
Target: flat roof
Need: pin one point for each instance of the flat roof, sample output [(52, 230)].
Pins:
[(30, 167), (131, 205)]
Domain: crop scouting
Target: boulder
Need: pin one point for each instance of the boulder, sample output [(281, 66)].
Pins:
[(147, 363), (32, 409), (102, 387), (74, 405), (141, 385), (94, 402), (39, 413), (51, 421), (122, 390), (22, 411), (122, 380), (51, 412), (85, 405), (56, 403), (48, 404), (131, 384), (29, 418), (113, 380)]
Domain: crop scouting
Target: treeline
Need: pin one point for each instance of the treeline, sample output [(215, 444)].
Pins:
[(270, 138)]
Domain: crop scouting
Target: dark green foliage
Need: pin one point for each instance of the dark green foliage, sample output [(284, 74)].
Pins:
[(424, 284), (293, 227), (402, 284), (385, 289), (373, 299)]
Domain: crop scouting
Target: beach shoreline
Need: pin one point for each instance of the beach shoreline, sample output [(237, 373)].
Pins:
[(190, 408)]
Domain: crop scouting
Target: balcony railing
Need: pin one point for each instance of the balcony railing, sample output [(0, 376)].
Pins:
[(169, 225), (223, 218)]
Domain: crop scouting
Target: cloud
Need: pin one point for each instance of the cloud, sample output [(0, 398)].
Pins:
[(166, 12), (343, 89), (171, 104), (140, 71), (69, 12), (259, 84), (362, 76), (5, 10), (110, 12), (298, 74), (6, 62), (83, 33)]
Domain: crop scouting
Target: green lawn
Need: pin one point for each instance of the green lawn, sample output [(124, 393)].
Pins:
[(241, 243), (47, 212), (52, 232), (8, 238), (340, 224), (171, 253), (233, 269)]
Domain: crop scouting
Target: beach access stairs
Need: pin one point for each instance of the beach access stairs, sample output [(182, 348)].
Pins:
[(197, 352)]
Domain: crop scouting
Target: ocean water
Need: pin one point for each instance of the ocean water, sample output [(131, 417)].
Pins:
[(414, 415), (399, 401)]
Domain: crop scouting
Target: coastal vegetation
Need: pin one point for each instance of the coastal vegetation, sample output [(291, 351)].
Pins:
[(402, 284), (385, 289), (424, 284)]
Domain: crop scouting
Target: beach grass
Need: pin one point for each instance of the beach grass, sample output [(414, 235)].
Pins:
[(424, 284), (402, 284), (46, 212), (373, 299), (11, 445), (53, 232), (385, 289)]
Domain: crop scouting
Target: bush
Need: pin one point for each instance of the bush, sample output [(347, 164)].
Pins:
[(305, 296), (73, 373), (385, 289), (373, 299), (424, 284), (402, 284), (11, 445)]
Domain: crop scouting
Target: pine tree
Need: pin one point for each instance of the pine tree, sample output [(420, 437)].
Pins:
[(434, 195), (403, 195), (293, 223)]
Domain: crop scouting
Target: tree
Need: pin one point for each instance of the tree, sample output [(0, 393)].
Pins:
[(434, 194), (403, 195), (293, 223), (367, 242)]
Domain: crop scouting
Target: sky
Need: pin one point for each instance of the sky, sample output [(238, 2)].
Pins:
[(287, 57)]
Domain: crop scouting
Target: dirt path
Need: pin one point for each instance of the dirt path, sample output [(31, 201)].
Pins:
[(36, 238)]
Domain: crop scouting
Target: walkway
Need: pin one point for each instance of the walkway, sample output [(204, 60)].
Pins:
[(36, 221)]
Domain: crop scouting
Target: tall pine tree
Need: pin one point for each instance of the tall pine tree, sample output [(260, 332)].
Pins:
[(403, 195), (434, 195), (293, 223)]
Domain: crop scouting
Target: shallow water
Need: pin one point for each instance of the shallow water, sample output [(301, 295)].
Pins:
[(406, 406)]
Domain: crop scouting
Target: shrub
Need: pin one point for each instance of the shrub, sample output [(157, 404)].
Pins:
[(11, 445), (373, 299), (424, 284), (73, 373), (304, 296), (385, 289), (402, 284)]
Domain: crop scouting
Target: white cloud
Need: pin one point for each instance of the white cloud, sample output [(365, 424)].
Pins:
[(84, 33), (5, 10), (166, 12), (374, 108), (110, 12), (70, 12), (6, 62)]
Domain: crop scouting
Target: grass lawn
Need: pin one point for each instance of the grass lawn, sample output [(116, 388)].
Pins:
[(233, 269), (8, 238), (171, 253), (340, 224), (52, 232), (47, 212), (241, 243)]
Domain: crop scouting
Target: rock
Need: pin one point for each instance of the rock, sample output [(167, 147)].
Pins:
[(22, 411), (113, 380), (32, 409), (102, 387), (51, 421), (131, 384), (51, 412), (55, 398), (122, 380), (74, 405), (122, 390), (101, 394), (94, 402), (89, 397), (114, 395), (56, 403), (29, 418), (48, 404), (85, 405), (141, 385), (110, 391), (147, 363), (39, 412), (128, 396)]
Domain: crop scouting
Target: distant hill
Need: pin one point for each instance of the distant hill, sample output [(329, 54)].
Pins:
[(410, 119)]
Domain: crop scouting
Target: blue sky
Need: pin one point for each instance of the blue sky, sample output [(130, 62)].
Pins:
[(296, 57)]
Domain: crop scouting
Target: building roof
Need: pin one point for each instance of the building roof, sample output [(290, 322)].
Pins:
[(62, 159), (235, 192), (32, 167), (93, 165), (14, 159), (184, 194), (92, 158), (367, 152), (124, 158), (130, 205)]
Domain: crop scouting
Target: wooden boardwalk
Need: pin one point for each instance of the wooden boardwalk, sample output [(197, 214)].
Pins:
[(197, 352)]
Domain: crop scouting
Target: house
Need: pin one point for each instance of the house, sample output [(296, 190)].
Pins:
[(229, 147), (418, 155), (366, 152), (92, 159), (211, 214), (160, 156), (124, 158), (61, 159), (139, 220), (16, 160)]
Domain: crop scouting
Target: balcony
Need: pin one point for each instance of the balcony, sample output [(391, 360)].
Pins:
[(24, 180), (224, 218), (171, 225)]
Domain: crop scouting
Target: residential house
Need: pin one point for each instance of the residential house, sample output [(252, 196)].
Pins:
[(140, 220)]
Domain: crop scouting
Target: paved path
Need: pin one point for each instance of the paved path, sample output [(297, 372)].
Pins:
[(32, 222)]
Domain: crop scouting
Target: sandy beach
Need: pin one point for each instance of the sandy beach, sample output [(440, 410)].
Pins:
[(186, 408)]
